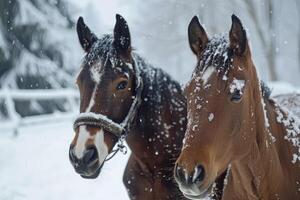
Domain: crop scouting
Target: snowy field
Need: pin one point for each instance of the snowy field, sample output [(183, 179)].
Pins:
[(35, 166)]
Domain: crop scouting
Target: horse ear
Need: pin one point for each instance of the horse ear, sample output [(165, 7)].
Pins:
[(237, 36), (122, 40), (197, 36), (85, 36)]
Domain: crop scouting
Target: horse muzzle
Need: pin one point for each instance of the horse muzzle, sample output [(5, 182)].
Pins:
[(88, 165), (191, 183), (192, 194)]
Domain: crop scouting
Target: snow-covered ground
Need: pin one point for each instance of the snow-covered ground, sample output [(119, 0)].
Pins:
[(35, 166)]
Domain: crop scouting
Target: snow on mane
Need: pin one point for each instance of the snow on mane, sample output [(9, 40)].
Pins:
[(216, 54), (102, 50), (292, 124), (267, 124)]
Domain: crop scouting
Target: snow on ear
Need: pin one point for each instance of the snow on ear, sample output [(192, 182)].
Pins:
[(122, 40), (197, 36), (237, 36), (85, 36)]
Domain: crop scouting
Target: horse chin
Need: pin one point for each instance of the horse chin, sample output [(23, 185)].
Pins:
[(215, 189), (204, 194), (93, 175)]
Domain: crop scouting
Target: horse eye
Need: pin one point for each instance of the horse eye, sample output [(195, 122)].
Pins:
[(122, 85), (236, 96)]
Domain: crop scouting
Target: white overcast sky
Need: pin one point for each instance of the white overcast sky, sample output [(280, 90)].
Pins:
[(102, 10)]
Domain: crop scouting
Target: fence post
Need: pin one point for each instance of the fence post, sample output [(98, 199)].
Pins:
[(10, 96), (72, 101), (11, 110)]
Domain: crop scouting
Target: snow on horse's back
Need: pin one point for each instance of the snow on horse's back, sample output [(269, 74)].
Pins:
[(290, 101)]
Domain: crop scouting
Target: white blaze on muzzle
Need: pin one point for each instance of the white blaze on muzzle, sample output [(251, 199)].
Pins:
[(83, 133), (83, 136), (101, 147), (98, 138)]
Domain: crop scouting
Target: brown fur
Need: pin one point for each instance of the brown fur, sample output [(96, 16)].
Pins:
[(158, 128), (237, 135)]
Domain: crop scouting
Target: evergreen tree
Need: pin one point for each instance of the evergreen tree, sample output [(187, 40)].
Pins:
[(37, 49)]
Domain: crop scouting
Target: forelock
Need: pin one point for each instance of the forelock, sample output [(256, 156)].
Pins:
[(217, 54), (102, 50)]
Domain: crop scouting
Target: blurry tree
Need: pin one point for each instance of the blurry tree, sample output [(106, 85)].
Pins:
[(161, 31), (35, 44), (37, 50), (266, 30), (298, 8)]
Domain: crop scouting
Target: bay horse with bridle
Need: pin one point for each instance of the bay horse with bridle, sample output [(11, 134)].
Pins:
[(122, 97), (236, 133)]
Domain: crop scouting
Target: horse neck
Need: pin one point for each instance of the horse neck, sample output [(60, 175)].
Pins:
[(159, 108), (272, 135), (263, 164)]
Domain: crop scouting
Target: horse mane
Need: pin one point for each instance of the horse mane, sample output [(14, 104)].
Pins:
[(218, 54), (159, 87), (101, 50), (162, 96), (266, 90)]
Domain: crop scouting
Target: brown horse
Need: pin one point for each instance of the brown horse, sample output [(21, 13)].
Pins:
[(235, 131), (122, 96)]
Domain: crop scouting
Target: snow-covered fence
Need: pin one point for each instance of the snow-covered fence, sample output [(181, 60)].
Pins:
[(14, 120)]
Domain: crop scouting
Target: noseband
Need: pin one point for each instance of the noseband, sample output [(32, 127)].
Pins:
[(120, 130)]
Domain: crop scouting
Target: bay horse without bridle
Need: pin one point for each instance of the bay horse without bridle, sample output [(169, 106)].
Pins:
[(236, 132), (123, 97)]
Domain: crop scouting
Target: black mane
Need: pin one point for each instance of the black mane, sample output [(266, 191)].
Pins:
[(266, 91), (161, 94), (159, 87)]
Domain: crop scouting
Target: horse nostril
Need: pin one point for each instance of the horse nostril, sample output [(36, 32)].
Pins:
[(199, 174), (90, 155), (179, 173)]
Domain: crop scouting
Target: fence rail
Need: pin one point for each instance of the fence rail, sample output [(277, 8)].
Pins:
[(15, 121)]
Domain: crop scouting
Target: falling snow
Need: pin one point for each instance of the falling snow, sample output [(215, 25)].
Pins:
[(210, 117)]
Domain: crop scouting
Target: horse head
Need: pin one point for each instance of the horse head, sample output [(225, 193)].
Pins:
[(106, 83), (221, 108)]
